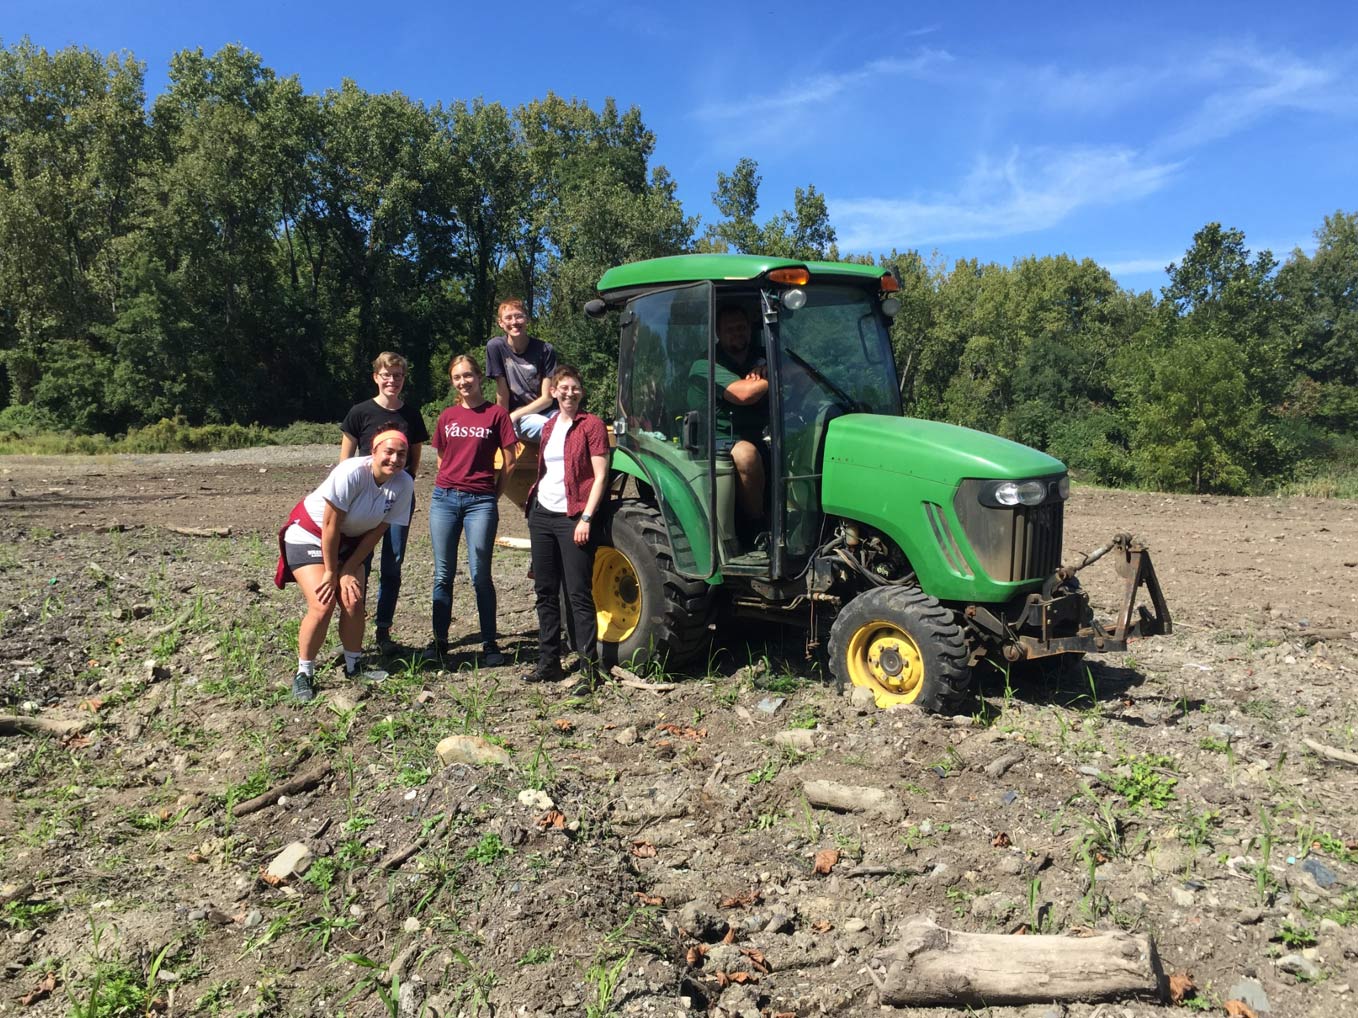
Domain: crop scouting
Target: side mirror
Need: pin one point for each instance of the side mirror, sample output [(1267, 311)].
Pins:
[(596, 308)]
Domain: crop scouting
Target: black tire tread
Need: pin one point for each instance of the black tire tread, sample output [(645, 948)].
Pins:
[(943, 645), (678, 633)]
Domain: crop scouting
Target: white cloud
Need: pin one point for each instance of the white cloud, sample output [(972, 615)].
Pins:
[(1141, 266), (1247, 85), (1025, 193), (820, 88)]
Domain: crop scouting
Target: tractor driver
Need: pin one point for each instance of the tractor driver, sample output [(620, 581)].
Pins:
[(742, 385)]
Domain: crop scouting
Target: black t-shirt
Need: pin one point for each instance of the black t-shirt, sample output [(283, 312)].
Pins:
[(364, 420)]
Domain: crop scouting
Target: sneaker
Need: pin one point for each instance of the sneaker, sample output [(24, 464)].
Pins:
[(385, 644), (303, 690), (437, 651), (355, 671), (492, 658)]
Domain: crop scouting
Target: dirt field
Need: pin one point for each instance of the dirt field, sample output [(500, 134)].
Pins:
[(645, 853)]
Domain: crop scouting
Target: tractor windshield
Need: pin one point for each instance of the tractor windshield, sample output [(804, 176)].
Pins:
[(834, 358), (837, 346)]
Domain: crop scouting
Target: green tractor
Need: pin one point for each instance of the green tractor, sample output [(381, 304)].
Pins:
[(922, 547)]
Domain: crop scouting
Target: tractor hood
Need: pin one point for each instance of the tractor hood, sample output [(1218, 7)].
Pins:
[(929, 450)]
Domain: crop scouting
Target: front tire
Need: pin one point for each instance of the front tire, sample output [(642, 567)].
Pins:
[(647, 611), (904, 646)]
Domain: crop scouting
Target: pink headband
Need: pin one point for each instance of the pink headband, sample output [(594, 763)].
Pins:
[(389, 435)]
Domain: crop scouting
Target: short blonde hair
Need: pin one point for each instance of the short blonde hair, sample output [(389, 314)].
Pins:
[(388, 360)]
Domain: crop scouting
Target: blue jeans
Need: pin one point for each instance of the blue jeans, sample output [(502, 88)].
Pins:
[(389, 586), (450, 512), (529, 426)]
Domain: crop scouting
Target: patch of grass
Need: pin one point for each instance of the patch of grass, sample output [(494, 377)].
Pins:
[(1295, 936), (1144, 784), (601, 985), (27, 915), (1265, 710), (539, 955), (765, 772), (805, 716), (488, 850)]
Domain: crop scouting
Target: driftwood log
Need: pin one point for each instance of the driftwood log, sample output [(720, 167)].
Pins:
[(934, 966), (302, 782), (1330, 753), (22, 724)]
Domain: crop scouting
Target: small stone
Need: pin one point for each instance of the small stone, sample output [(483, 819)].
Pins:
[(862, 698), (799, 739), (1010, 865), (626, 736), (423, 697), (291, 862), (1323, 875), (1182, 897), (1330, 928), (197, 914), (357, 911), (411, 925), (1227, 732), (778, 923), (770, 704), (1297, 965), (253, 918), (470, 749), (855, 925), (283, 801), (536, 799)]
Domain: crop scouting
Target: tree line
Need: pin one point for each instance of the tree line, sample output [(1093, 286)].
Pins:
[(237, 250)]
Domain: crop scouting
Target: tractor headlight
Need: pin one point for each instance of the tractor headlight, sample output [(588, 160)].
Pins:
[(1006, 494)]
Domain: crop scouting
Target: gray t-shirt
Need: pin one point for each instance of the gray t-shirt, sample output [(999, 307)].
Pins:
[(366, 504), (522, 372)]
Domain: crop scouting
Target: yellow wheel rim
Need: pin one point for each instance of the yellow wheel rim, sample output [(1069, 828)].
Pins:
[(617, 595), (886, 659)]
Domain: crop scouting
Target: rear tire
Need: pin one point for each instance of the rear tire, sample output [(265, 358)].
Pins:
[(647, 612), (904, 646)]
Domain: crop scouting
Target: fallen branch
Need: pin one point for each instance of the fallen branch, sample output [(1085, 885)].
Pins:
[(406, 851), (174, 623), (934, 966), (22, 724), (634, 681), (1330, 753), (302, 782), (200, 531)]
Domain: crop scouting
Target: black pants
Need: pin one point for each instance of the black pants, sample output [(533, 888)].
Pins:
[(558, 560)]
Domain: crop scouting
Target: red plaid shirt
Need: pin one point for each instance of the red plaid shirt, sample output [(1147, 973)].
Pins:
[(588, 436)]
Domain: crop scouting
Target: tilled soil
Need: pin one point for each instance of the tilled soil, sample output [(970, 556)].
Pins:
[(645, 852)]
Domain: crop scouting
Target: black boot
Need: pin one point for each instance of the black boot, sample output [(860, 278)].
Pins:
[(546, 671)]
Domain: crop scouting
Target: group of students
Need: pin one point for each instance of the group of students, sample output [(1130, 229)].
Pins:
[(331, 536)]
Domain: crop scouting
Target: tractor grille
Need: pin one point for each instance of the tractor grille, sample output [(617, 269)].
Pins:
[(1012, 544), (1036, 550)]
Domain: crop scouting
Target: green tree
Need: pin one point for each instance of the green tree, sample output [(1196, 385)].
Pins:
[(72, 140), (802, 232)]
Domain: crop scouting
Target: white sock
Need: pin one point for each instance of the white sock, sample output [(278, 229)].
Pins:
[(306, 667), (351, 659)]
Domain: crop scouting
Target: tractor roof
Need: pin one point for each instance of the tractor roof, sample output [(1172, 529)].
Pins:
[(692, 268)]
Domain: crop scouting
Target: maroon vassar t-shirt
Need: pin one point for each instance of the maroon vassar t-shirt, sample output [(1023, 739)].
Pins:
[(467, 440)]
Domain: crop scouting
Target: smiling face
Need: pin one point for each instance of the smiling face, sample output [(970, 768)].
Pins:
[(389, 375), (389, 459), (568, 391), (466, 379), (514, 321)]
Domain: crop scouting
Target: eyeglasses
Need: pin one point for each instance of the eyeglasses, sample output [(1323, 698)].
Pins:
[(388, 376), (568, 390)]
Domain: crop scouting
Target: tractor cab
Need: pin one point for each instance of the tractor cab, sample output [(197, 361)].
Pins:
[(816, 333)]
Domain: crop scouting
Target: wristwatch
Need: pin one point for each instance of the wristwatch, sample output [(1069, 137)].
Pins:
[(585, 517)]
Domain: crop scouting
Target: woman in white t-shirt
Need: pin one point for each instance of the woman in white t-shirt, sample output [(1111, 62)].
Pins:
[(326, 541)]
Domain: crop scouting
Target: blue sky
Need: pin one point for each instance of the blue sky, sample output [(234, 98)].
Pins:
[(990, 131)]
